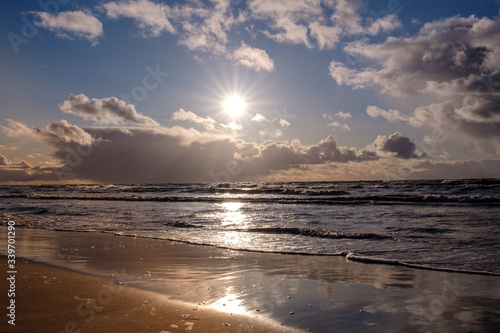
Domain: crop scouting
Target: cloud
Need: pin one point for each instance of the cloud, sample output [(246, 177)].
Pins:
[(284, 123), (346, 14), (457, 169), (22, 172), (343, 115), (325, 21), (4, 160), (274, 155), (232, 125), (204, 26), (200, 26), (159, 154), (454, 62), (109, 110), (80, 24), (336, 124), (5, 163), (327, 37), (61, 133), (385, 24), (150, 18), (391, 115), (259, 117), (207, 122), (400, 145), (16, 129), (344, 75), (289, 18), (58, 134), (254, 58)]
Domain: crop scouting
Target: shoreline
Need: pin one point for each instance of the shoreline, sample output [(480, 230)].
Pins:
[(323, 293)]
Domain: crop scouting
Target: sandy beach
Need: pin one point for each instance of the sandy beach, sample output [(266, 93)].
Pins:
[(87, 282)]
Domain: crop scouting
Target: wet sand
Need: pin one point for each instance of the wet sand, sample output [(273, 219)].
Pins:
[(161, 283), (51, 299)]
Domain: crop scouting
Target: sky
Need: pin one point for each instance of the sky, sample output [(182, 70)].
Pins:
[(147, 91)]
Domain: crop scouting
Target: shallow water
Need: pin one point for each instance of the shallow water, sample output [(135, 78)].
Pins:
[(441, 224)]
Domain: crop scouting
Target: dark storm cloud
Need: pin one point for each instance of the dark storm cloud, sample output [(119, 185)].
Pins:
[(399, 145), (402, 146), (140, 155)]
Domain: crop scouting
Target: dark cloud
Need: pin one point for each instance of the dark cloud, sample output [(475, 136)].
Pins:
[(455, 61), (109, 110), (401, 146), (142, 155)]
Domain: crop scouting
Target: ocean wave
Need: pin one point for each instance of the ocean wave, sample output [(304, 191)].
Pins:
[(373, 199), (386, 261), (180, 224), (314, 233)]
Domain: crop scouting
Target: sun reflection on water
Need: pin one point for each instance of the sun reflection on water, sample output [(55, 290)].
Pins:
[(232, 214), (233, 221)]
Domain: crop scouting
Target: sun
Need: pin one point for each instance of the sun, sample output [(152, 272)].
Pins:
[(234, 105)]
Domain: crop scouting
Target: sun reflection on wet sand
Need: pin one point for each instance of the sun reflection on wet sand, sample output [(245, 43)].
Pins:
[(230, 302)]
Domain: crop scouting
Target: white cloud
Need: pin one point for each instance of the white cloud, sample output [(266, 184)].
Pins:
[(327, 37), (391, 115), (207, 122), (61, 132), (284, 123), (343, 115), (232, 125), (16, 129), (149, 16), (204, 26), (384, 25), (344, 75), (109, 110), (58, 133), (337, 125), (71, 23), (254, 58), (289, 18), (346, 14), (259, 117)]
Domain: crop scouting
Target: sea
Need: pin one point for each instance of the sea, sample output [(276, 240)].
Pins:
[(451, 225)]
